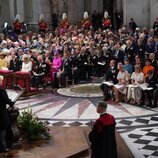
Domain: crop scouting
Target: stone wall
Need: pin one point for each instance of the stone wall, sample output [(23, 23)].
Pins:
[(143, 11)]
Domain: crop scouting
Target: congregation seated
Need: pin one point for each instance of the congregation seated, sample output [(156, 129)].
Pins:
[(110, 76), (41, 70), (86, 48), (151, 82), (26, 64), (14, 63), (134, 91), (128, 66), (66, 70), (56, 68), (147, 67), (3, 62), (121, 86)]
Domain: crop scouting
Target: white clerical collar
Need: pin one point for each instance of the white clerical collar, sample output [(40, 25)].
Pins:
[(103, 113)]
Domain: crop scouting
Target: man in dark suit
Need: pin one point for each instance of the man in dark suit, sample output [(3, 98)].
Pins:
[(151, 80), (78, 65), (111, 75), (14, 63), (66, 70), (4, 117), (117, 54), (130, 51), (102, 135), (155, 97), (41, 70), (132, 25)]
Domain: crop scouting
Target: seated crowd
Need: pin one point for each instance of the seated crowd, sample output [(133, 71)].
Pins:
[(128, 60)]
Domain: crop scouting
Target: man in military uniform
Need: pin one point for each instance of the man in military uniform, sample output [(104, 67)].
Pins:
[(66, 70), (111, 76), (17, 24), (106, 21), (86, 23), (64, 24), (41, 70), (42, 24)]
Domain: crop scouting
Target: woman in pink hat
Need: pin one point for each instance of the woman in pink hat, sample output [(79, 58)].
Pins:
[(56, 65)]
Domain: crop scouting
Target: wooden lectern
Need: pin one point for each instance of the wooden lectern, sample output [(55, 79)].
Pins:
[(13, 134)]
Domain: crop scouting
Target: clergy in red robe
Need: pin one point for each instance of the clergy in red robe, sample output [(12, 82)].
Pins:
[(102, 136)]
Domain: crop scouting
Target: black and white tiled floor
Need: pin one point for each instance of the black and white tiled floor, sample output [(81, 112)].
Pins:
[(143, 142), (138, 126)]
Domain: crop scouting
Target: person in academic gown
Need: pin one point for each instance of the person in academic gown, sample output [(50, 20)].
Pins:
[(102, 136)]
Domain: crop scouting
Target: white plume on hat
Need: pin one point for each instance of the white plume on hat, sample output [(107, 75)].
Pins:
[(64, 16), (86, 15), (106, 14), (41, 17), (17, 17)]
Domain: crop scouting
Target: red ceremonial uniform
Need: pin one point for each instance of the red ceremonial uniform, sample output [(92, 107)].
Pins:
[(106, 23), (64, 24), (86, 24), (42, 26), (17, 26)]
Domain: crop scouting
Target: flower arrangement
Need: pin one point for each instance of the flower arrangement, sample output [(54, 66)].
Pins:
[(32, 127)]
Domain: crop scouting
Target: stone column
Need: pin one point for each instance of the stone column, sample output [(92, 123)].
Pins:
[(4, 12), (125, 12), (87, 5), (12, 10), (153, 11), (46, 10), (37, 10), (75, 11), (20, 9)]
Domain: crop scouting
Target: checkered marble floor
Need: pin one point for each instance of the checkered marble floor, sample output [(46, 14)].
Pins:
[(142, 142), (138, 126)]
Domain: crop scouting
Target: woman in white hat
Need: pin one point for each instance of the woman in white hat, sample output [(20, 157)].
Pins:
[(26, 64)]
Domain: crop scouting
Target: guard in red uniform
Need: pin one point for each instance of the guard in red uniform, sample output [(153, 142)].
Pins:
[(86, 23), (106, 21), (64, 24), (42, 24), (102, 136), (17, 24)]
